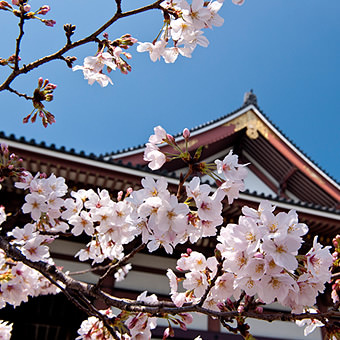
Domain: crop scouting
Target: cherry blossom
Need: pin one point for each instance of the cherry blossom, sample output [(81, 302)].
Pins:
[(5, 330)]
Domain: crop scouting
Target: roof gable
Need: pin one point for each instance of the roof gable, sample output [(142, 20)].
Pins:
[(275, 160)]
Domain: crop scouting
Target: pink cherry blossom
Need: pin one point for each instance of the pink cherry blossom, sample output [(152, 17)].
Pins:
[(153, 155)]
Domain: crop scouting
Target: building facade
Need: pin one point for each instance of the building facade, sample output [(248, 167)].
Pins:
[(278, 171)]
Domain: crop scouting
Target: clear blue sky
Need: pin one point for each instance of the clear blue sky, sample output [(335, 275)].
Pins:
[(288, 51)]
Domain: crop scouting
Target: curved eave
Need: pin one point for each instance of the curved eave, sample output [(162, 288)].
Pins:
[(36, 152), (222, 128), (63, 164)]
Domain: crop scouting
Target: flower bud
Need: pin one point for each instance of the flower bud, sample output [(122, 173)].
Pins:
[(4, 5), (259, 309), (49, 23), (44, 9), (170, 138), (229, 303), (186, 133), (119, 195), (4, 149), (27, 8), (49, 97)]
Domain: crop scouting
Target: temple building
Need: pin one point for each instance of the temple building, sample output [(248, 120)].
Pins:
[(278, 171)]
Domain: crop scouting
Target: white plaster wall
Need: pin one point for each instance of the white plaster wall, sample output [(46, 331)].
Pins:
[(253, 183)]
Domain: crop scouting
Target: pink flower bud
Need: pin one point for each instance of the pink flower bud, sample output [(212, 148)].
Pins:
[(27, 8), (4, 5), (240, 309), (49, 23), (50, 87), (40, 81), (120, 196), (186, 133), (4, 148), (34, 117), (259, 309), (44, 9), (170, 138), (220, 306), (26, 119), (15, 2), (45, 82), (230, 303)]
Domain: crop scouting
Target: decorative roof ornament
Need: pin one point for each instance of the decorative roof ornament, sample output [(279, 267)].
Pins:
[(250, 98)]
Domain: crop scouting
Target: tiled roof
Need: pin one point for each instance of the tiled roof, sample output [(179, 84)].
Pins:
[(201, 126), (82, 154), (106, 158)]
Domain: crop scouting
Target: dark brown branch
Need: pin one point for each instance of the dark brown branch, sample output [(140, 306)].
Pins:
[(211, 285), (95, 312), (18, 40), (67, 47), (24, 95), (119, 6), (182, 181), (78, 288)]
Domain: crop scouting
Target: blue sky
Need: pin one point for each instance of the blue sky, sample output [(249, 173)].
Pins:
[(288, 51)]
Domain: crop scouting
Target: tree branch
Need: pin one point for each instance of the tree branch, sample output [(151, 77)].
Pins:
[(117, 265), (163, 307), (67, 47), (24, 95), (18, 40)]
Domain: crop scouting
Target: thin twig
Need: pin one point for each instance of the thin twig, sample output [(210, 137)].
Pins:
[(119, 6), (212, 283), (182, 181), (18, 40), (24, 95), (118, 264)]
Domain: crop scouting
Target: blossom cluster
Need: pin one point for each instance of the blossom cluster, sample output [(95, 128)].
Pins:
[(152, 212), (18, 282), (42, 93), (93, 329), (259, 256), (10, 164), (183, 24), (114, 58), (131, 325)]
